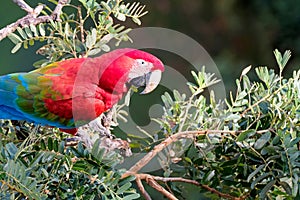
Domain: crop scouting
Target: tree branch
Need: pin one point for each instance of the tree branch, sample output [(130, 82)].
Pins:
[(22, 4), (158, 148), (142, 189), (32, 17), (152, 181)]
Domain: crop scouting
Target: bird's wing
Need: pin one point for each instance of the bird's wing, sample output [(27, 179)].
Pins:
[(45, 96)]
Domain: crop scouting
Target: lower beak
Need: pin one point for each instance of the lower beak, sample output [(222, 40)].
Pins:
[(152, 81)]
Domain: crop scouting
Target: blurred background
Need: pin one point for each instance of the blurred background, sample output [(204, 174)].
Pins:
[(235, 33)]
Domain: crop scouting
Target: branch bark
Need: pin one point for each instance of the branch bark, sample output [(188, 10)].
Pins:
[(22, 4), (152, 180), (158, 148), (32, 17), (185, 134), (142, 189)]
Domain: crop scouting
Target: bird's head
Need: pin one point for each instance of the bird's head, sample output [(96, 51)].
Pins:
[(146, 70), (125, 68)]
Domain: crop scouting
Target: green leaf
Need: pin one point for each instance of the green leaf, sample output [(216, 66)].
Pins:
[(42, 29), (123, 188), (55, 145), (286, 187), (241, 95), (98, 152), (137, 21), (132, 196), (196, 78), (94, 52), (105, 48), (37, 159), (262, 140), (50, 144), (105, 6), (28, 32), (16, 48), (44, 171), (80, 148), (120, 16), (39, 63), (80, 191), (91, 39), (22, 33), (266, 189), (14, 38), (61, 147), (43, 145), (282, 60), (257, 170), (67, 29), (245, 134), (11, 149), (80, 166), (258, 179), (233, 117), (34, 30), (83, 3), (246, 70)]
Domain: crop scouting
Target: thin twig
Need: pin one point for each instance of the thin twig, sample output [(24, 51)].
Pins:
[(152, 180), (22, 4), (32, 17), (56, 13), (142, 189), (11, 187), (265, 98), (158, 148), (81, 25), (212, 190)]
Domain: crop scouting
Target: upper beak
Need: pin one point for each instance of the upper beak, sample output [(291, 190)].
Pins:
[(149, 80), (152, 81)]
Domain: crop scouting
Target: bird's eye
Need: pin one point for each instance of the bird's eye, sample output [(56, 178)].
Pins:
[(141, 62)]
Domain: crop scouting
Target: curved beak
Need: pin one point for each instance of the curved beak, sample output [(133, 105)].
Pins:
[(152, 81), (149, 80)]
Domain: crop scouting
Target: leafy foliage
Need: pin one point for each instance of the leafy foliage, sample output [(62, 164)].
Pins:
[(41, 166), (69, 37), (51, 170), (250, 149)]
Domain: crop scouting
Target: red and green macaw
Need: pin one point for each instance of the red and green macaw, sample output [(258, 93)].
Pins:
[(77, 90)]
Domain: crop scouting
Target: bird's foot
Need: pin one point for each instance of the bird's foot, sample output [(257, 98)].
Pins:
[(97, 129)]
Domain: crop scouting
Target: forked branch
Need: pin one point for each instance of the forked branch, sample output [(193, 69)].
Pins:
[(152, 180), (32, 17)]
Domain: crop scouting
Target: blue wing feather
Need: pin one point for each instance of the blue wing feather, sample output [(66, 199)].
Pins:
[(10, 86), (7, 99)]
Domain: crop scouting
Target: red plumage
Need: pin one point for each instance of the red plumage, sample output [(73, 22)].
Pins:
[(78, 90)]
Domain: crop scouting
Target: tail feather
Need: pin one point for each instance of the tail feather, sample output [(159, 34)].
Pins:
[(8, 96), (19, 100), (7, 112)]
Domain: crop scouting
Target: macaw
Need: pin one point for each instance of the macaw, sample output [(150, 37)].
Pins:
[(73, 92)]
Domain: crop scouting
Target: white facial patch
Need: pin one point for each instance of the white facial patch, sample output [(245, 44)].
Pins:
[(139, 68)]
